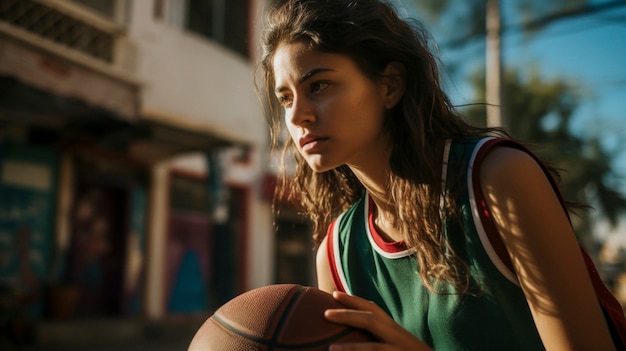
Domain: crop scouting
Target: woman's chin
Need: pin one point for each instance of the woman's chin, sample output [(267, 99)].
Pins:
[(320, 167)]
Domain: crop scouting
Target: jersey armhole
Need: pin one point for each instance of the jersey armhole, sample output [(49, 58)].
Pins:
[(334, 259), (485, 227)]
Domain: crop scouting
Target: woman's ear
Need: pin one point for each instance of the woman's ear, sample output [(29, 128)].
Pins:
[(393, 82)]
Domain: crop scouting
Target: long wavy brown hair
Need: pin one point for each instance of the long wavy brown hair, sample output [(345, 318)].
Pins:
[(372, 34)]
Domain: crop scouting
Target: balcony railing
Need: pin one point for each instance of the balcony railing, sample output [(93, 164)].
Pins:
[(62, 25)]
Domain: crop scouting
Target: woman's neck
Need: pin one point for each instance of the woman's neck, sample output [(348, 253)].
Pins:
[(377, 185), (385, 220)]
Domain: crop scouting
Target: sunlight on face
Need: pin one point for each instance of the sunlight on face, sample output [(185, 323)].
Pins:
[(333, 112)]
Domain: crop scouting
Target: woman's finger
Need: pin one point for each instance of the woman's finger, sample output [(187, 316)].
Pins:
[(364, 314), (355, 302)]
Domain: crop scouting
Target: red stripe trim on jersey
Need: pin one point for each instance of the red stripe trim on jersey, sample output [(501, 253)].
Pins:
[(389, 247), (330, 247)]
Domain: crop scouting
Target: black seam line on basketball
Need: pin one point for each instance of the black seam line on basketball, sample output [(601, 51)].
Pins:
[(273, 344), (233, 330), (283, 318)]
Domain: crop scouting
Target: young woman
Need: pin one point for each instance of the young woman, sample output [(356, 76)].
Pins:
[(432, 233)]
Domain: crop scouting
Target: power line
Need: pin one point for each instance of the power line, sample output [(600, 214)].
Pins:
[(542, 22), (613, 18), (608, 82)]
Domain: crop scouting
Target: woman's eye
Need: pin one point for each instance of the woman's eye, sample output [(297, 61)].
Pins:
[(316, 87), (285, 100)]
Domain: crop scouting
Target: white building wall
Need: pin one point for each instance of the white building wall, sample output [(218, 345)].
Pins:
[(192, 82)]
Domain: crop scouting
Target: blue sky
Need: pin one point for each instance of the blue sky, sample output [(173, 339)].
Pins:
[(590, 51), (587, 50)]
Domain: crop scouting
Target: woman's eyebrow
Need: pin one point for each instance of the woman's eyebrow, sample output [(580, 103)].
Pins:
[(311, 73), (306, 76)]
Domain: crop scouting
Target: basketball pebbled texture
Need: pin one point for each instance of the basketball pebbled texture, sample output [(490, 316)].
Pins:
[(277, 317)]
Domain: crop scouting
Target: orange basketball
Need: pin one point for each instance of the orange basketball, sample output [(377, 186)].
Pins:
[(275, 317)]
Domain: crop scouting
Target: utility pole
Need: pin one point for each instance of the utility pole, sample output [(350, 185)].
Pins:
[(495, 100)]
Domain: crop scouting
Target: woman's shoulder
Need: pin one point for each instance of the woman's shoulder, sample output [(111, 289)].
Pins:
[(507, 161)]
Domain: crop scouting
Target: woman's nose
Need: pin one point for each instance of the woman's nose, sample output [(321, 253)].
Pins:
[(301, 112)]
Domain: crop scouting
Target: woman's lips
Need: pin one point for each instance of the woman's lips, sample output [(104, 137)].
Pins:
[(307, 143)]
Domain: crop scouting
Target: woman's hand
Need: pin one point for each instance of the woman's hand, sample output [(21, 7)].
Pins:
[(368, 316)]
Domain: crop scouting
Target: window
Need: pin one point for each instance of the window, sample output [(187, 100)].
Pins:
[(295, 257), (225, 21)]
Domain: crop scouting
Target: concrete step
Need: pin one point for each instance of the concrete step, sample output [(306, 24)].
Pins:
[(107, 334)]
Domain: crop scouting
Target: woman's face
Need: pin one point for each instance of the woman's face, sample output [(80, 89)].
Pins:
[(333, 112)]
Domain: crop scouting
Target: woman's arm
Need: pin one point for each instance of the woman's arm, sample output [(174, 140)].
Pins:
[(322, 265), (544, 251)]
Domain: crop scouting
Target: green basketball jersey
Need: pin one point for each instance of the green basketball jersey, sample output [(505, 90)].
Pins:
[(363, 264)]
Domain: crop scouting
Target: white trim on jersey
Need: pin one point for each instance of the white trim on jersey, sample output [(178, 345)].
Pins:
[(380, 250), (444, 175), (482, 234)]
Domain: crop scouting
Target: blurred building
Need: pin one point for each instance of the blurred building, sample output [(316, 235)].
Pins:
[(134, 161)]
